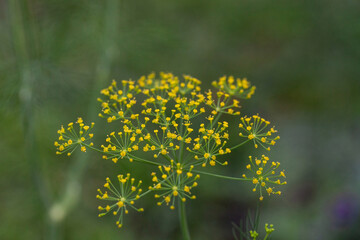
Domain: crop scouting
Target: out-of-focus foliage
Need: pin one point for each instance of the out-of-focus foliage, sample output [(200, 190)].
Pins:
[(303, 56)]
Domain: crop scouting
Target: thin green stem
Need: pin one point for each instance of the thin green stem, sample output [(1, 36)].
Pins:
[(144, 160), (183, 221), (221, 176), (240, 144), (92, 148), (219, 114), (145, 193)]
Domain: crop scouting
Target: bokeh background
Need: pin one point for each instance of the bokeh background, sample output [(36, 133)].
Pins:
[(303, 56)]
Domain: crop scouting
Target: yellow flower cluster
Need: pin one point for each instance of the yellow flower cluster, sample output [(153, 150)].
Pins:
[(210, 144), (255, 128), (122, 198), (269, 228), (240, 87), (168, 122), (121, 144), (222, 103), (72, 138), (173, 182), (119, 100), (263, 175)]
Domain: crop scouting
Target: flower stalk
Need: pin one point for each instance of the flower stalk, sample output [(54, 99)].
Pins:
[(183, 221)]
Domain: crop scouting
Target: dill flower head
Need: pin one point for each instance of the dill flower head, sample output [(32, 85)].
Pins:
[(70, 138), (256, 129), (121, 198), (264, 176), (173, 182), (171, 124)]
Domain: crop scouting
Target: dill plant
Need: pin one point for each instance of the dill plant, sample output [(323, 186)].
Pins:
[(180, 132)]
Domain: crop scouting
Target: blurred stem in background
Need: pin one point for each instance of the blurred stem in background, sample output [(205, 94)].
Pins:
[(58, 209), (26, 92), (25, 63)]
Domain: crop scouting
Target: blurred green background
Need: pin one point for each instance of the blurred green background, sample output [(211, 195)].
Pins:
[(303, 56)]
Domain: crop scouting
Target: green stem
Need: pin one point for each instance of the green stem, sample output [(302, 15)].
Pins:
[(240, 144), (183, 221), (221, 176), (219, 114), (144, 160), (93, 148)]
